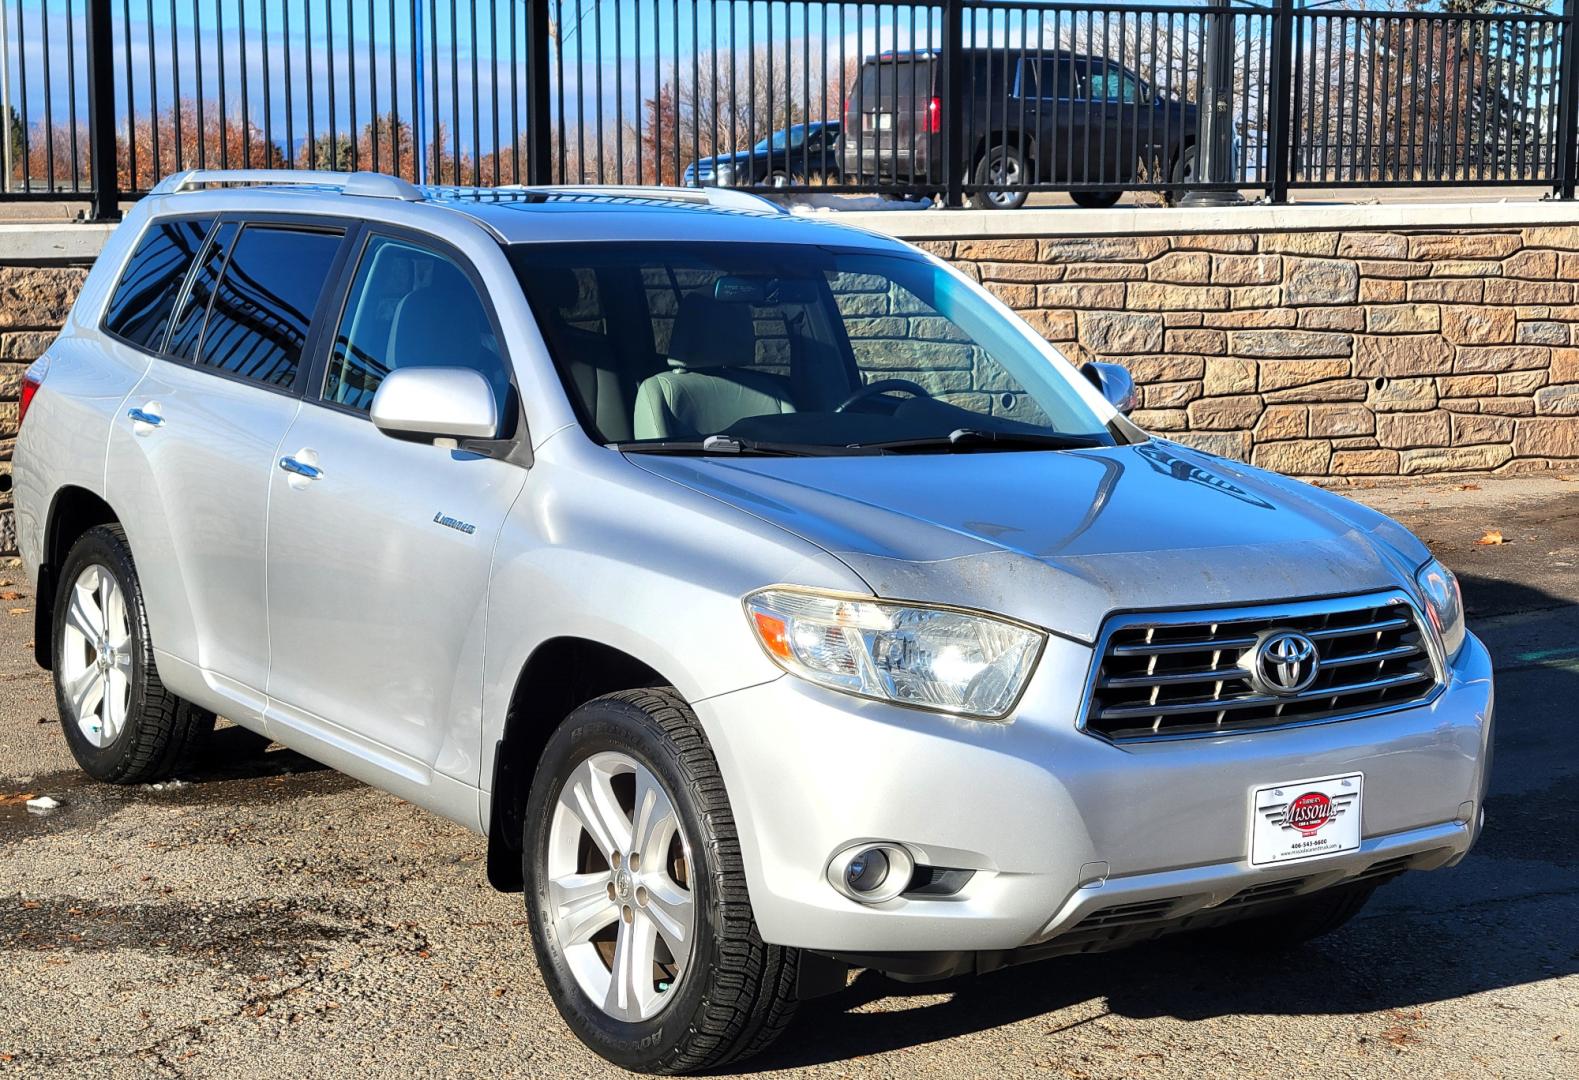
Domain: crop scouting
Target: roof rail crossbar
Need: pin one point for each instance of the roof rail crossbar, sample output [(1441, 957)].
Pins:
[(369, 184)]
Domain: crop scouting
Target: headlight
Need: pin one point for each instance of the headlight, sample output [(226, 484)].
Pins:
[(1444, 605), (931, 658)]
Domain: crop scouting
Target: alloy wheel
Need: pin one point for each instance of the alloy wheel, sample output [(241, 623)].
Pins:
[(619, 892), (96, 656)]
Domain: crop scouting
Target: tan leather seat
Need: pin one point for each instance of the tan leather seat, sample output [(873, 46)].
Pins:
[(711, 383)]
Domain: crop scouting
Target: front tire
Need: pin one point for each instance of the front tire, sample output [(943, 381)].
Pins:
[(636, 892), (121, 724)]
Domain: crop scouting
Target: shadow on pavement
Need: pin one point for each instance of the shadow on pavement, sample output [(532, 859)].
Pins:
[(1503, 917)]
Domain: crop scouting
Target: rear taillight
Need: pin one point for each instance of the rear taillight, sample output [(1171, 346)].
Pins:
[(32, 379), (934, 116), (29, 388)]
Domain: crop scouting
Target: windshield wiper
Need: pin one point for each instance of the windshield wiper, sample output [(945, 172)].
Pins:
[(727, 445), (975, 439)]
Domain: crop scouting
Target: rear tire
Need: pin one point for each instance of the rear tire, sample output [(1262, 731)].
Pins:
[(717, 995), (121, 724), (1308, 918)]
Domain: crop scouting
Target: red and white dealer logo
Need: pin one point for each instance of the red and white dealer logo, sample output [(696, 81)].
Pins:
[(1309, 812)]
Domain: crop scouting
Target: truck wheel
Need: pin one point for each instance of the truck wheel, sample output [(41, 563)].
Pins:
[(1096, 200), (636, 893), (1000, 165), (121, 724), (1181, 172), (1307, 918)]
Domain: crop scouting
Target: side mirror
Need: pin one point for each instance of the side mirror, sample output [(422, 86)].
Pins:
[(436, 402), (1115, 382)]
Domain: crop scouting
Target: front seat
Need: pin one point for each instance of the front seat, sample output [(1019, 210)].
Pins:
[(712, 383)]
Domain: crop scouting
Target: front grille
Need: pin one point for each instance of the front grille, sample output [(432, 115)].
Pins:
[(1187, 673)]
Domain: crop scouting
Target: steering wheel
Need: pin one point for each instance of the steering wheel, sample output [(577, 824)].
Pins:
[(881, 386)]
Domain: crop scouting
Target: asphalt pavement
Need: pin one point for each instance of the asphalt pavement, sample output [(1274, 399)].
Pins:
[(266, 917)]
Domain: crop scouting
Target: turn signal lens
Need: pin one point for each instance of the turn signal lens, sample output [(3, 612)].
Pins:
[(1444, 605), (965, 663)]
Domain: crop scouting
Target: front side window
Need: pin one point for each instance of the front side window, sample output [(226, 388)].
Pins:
[(410, 307), (140, 309), (800, 347)]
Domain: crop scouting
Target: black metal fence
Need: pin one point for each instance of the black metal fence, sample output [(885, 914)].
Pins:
[(978, 100)]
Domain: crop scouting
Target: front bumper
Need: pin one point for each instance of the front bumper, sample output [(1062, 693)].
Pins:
[(1062, 827)]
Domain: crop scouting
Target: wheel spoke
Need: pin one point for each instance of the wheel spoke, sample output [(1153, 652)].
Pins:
[(117, 626), (655, 820), (83, 614), (591, 799), (117, 697), (80, 691), (672, 913), (581, 906), (630, 975)]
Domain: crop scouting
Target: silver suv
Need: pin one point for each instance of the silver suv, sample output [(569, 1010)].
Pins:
[(773, 600)]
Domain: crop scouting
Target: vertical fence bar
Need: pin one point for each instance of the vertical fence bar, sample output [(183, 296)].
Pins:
[(953, 102), (1280, 152), (539, 126), (101, 112), (1567, 98)]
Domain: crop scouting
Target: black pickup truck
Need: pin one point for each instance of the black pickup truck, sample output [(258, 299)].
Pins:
[(1031, 116)]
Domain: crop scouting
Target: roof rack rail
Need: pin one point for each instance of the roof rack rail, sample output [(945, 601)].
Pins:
[(710, 196), (369, 184)]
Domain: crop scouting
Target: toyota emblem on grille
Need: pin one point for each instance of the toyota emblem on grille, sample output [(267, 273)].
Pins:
[(1283, 662)]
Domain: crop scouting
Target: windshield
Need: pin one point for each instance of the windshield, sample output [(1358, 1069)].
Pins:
[(795, 348)]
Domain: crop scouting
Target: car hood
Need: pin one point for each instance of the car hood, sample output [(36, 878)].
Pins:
[(1063, 538)]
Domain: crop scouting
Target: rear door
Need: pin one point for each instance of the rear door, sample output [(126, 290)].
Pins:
[(380, 548), (191, 456)]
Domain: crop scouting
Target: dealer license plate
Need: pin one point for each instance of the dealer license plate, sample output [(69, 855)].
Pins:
[(1305, 819)]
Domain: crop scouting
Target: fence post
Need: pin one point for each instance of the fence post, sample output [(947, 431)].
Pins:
[(953, 103), (539, 106), (101, 113), (1568, 103), (1278, 159)]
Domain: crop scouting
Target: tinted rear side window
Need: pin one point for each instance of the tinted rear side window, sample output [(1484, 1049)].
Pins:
[(188, 326), (263, 305), (140, 310)]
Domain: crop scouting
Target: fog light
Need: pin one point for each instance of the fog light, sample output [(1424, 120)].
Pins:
[(871, 873), (866, 871)]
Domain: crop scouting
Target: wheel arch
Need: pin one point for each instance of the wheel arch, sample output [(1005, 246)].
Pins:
[(560, 674), (73, 511)]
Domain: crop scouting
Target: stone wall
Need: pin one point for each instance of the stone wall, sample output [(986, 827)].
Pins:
[(1321, 353), (34, 301), (1327, 342)]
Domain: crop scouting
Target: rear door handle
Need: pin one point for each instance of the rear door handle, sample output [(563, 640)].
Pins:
[(144, 416), (300, 468)]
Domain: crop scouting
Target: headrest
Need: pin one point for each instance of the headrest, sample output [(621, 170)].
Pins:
[(709, 333)]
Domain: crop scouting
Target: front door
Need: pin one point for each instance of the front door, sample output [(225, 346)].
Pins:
[(380, 548)]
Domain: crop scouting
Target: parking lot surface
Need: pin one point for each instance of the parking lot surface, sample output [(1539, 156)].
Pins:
[(266, 917)]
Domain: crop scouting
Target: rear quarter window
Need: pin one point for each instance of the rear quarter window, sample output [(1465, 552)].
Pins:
[(140, 308)]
